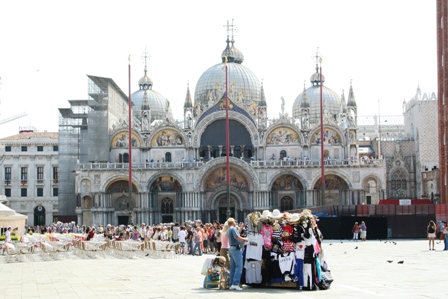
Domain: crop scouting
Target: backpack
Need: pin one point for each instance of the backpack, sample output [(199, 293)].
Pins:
[(431, 229)]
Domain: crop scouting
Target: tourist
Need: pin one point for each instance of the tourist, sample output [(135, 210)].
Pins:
[(363, 231), (182, 239), (355, 231), (218, 238), (91, 233), (190, 234), (445, 234), (235, 254), (169, 234), (176, 230), (224, 251), (142, 232), (197, 241), (431, 233), (135, 234), (7, 238)]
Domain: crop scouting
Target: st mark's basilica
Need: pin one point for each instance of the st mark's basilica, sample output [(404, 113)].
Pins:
[(178, 167)]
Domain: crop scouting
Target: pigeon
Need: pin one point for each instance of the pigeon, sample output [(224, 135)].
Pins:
[(389, 261), (395, 243), (356, 247), (330, 244), (385, 242), (345, 252), (400, 262)]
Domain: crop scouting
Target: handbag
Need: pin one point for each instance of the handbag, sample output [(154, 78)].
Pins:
[(327, 277)]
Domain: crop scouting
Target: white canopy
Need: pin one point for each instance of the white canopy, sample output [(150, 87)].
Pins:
[(9, 217)]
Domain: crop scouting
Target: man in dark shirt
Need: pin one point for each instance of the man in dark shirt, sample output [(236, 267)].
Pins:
[(190, 239)]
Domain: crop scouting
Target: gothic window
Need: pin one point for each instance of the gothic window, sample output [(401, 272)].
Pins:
[(398, 180), (167, 206)]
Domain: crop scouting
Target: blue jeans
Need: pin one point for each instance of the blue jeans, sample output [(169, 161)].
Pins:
[(198, 246), (446, 242), (236, 265), (190, 246)]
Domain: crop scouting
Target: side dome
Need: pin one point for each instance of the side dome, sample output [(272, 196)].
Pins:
[(157, 103), (330, 99)]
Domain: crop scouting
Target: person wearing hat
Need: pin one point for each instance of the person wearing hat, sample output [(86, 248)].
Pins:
[(235, 254), (355, 231)]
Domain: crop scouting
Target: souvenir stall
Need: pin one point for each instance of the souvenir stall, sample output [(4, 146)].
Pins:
[(284, 250)]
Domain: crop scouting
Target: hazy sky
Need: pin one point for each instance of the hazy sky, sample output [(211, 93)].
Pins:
[(47, 48)]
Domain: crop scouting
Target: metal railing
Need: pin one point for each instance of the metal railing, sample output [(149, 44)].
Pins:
[(317, 163), (147, 165), (253, 163)]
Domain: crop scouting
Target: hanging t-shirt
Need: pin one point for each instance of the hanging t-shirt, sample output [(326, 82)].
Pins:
[(288, 246), (253, 271), (300, 250), (277, 233), (254, 248), (286, 262), (267, 232)]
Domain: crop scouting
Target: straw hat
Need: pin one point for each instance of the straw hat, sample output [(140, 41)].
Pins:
[(294, 218), (276, 214), (265, 215)]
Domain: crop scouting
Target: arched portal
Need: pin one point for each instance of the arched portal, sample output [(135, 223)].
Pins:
[(336, 190), (288, 191), (39, 215), (222, 207)]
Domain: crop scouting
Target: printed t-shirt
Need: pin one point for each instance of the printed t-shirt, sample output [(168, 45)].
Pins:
[(254, 248)]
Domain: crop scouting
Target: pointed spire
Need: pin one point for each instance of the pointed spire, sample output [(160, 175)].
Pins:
[(304, 103), (145, 103), (351, 96), (343, 103), (188, 103), (145, 82), (263, 98)]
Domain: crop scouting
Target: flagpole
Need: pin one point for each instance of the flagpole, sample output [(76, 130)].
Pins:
[(322, 161), (227, 143), (130, 138)]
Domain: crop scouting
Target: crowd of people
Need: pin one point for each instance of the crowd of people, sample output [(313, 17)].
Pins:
[(441, 233)]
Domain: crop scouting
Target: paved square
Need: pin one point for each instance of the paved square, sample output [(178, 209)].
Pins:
[(359, 273)]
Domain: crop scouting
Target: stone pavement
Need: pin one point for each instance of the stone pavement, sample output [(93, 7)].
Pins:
[(360, 270)]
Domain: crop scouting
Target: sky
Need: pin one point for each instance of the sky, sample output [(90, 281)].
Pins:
[(47, 49)]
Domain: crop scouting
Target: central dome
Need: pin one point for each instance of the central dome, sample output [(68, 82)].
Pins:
[(243, 85)]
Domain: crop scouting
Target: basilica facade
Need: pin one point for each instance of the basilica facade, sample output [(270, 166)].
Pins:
[(179, 167)]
